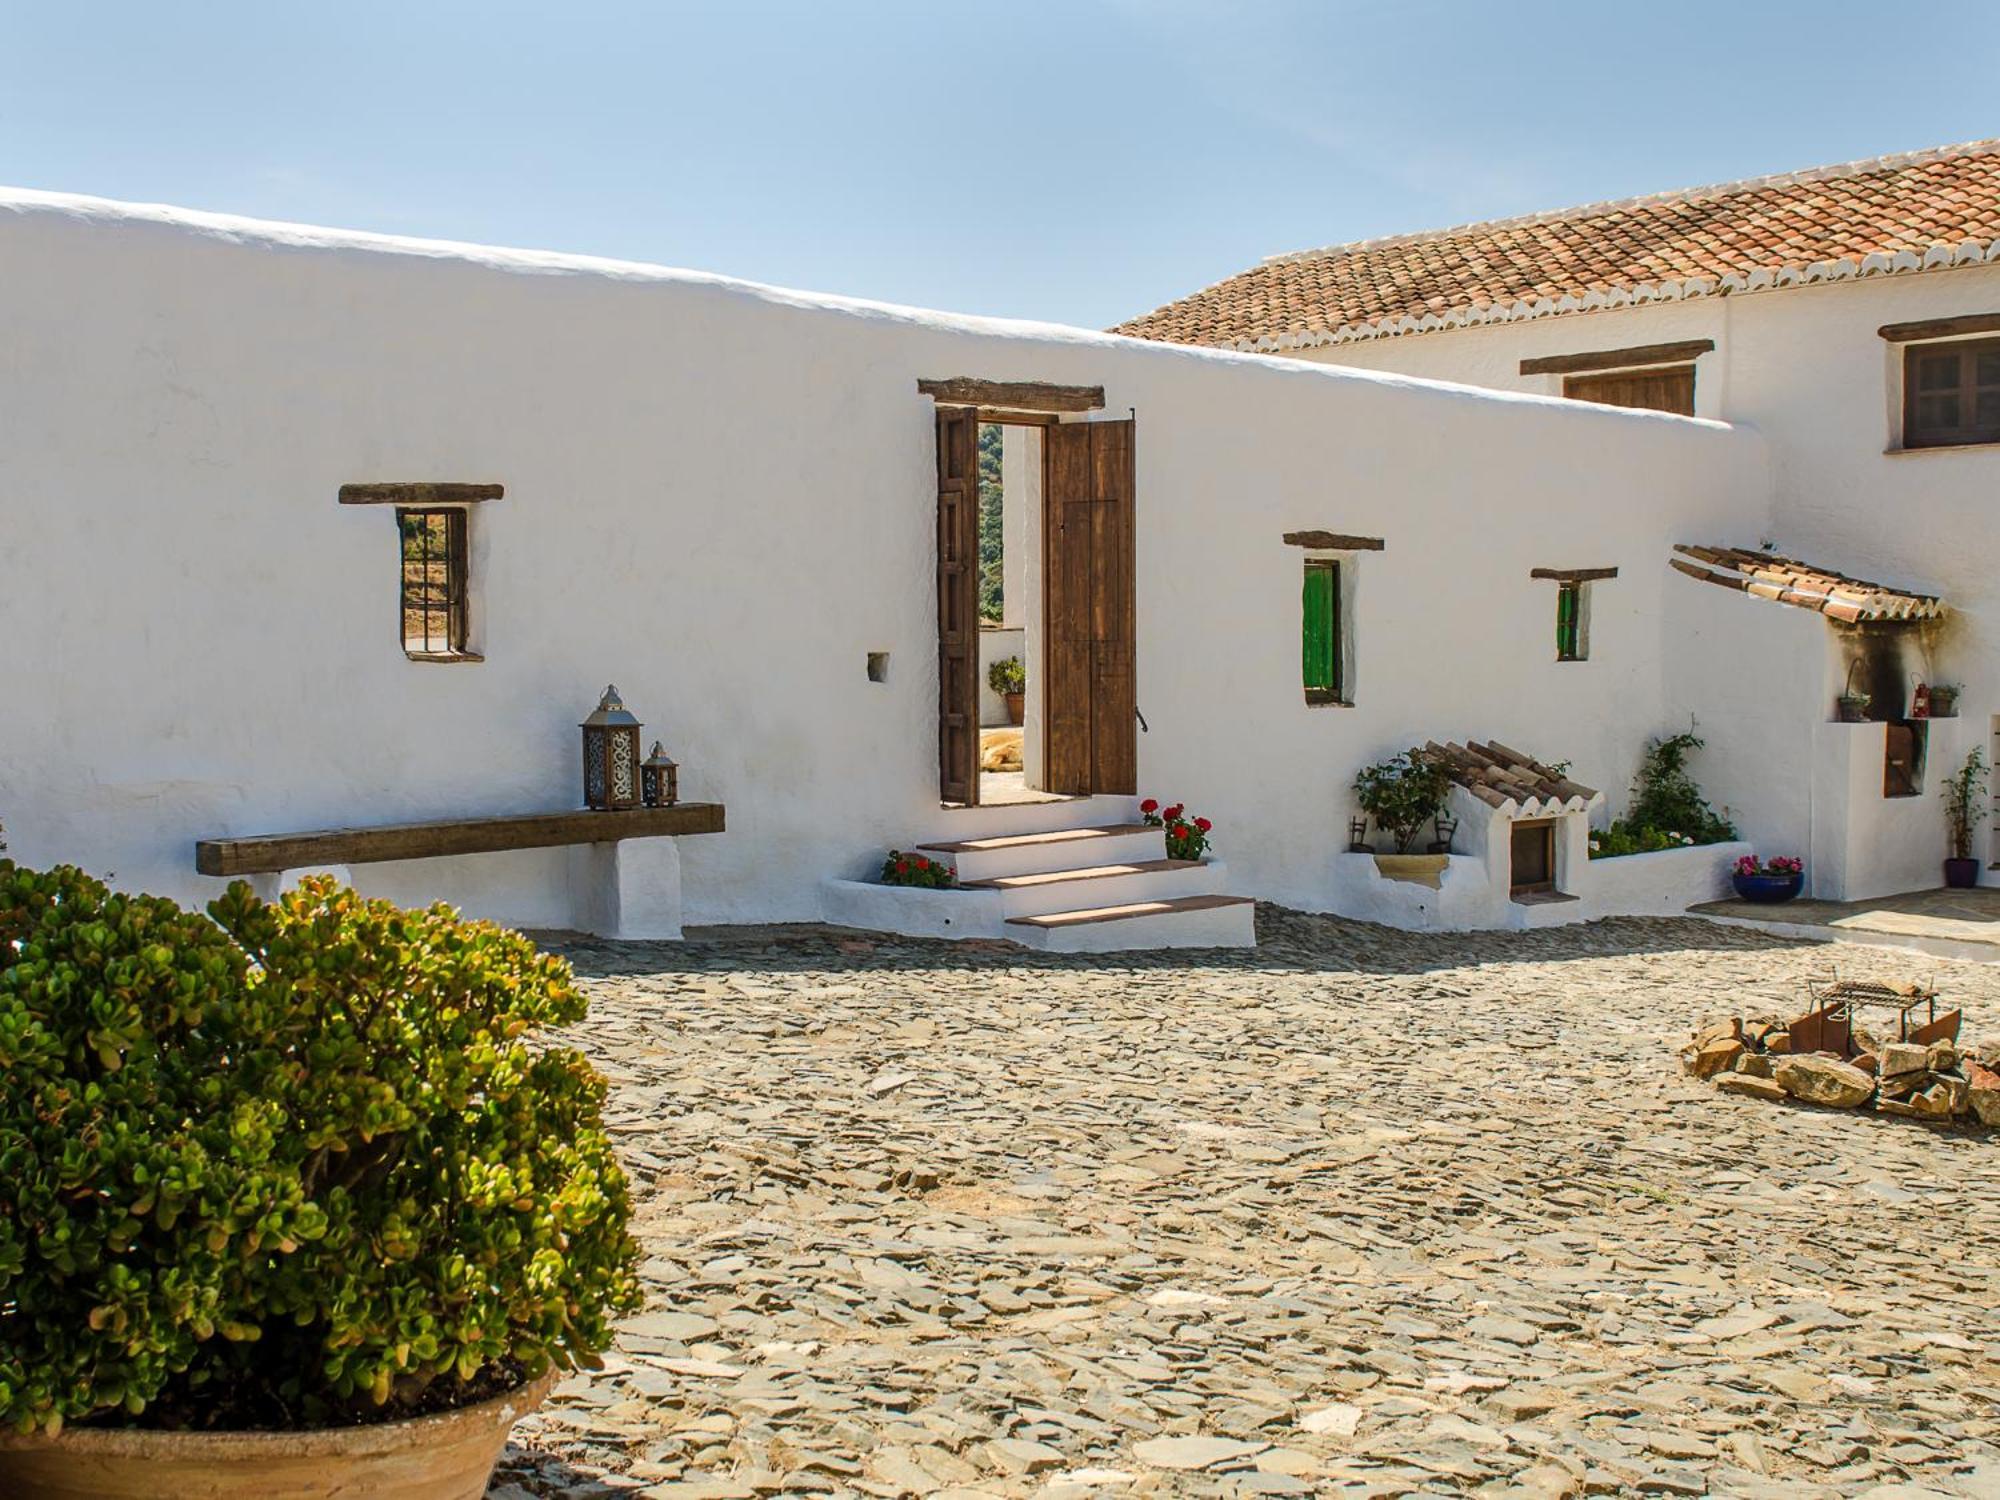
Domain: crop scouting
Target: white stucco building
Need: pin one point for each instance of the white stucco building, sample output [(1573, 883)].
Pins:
[(1809, 308), (236, 449)]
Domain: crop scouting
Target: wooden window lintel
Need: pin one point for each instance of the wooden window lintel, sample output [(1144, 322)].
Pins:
[(1333, 541), (418, 493), (1636, 357), (1573, 575), (1939, 328), (1013, 395)]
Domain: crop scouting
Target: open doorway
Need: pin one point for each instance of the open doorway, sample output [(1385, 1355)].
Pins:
[(1035, 594), (1009, 497)]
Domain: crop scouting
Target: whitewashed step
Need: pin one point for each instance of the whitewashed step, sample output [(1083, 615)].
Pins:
[(1183, 922), (984, 859), (1103, 885)]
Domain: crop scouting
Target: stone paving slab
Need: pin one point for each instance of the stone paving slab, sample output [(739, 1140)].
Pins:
[(1359, 1212)]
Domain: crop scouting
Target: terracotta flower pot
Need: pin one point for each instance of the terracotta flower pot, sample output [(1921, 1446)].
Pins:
[(1014, 706), (446, 1456)]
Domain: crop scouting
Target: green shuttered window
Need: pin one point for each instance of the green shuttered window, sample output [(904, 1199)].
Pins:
[(1569, 622), (1320, 649)]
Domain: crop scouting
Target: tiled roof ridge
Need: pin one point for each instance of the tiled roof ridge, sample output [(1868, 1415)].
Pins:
[(1931, 210), (1833, 172)]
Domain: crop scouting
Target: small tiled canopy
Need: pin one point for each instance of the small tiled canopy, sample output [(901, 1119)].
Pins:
[(1789, 581), (1516, 784)]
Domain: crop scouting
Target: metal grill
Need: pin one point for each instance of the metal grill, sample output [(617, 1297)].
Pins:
[(434, 589)]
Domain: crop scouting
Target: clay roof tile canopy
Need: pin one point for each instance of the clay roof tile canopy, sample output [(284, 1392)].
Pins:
[(1497, 775), (1921, 211), (1786, 580)]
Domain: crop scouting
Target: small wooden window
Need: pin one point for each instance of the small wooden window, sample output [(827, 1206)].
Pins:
[(434, 590), (1570, 643), (1951, 394), (1533, 849), (1669, 388), (1321, 643)]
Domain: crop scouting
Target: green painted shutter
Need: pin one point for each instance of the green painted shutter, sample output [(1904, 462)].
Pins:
[(1566, 613), (1320, 613)]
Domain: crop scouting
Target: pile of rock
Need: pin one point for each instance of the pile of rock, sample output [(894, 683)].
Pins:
[(1923, 1080)]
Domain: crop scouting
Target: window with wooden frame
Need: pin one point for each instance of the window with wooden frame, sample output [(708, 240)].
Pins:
[(1951, 394), (434, 584), (1321, 643), (1571, 643)]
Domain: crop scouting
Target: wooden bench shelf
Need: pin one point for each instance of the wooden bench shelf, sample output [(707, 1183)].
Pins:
[(270, 853)]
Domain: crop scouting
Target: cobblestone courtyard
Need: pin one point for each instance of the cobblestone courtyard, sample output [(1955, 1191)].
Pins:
[(1358, 1212)]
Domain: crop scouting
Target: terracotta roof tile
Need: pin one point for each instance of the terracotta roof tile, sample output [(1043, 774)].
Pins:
[(1786, 580), (1509, 780), (1927, 210)]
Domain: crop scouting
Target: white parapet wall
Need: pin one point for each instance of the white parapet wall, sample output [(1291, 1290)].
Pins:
[(1664, 883), (722, 497)]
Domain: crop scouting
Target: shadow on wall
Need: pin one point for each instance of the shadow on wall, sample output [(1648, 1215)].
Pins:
[(1290, 941)]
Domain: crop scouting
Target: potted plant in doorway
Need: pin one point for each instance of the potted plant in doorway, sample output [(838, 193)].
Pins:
[(1009, 679), (1852, 704), (1964, 811), (299, 1199)]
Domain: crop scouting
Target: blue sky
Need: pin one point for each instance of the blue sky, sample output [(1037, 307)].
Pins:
[(1081, 161)]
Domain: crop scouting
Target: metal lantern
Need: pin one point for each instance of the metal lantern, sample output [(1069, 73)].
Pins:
[(610, 755), (660, 778), (1446, 827)]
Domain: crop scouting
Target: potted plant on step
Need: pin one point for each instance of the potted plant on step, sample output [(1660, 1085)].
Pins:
[(1964, 811), (1944, 700), (1777, 879), (1404, 794), (1009, 679), (298, 1200)]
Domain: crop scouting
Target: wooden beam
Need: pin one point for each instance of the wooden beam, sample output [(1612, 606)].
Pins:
[(418, 493), (1333, 541), (1017, 418), (1617, 359), (1013, 395), (1940, 328), (1573, 575), (268, 853)]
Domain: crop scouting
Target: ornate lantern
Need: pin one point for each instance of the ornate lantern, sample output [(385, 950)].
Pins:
[(610, 755), (660, 778)]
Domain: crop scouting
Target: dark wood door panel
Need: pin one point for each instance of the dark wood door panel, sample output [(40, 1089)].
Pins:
[(958, 603)]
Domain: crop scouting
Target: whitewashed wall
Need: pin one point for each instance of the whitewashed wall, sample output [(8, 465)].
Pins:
[(1805, 368), (720, 497)]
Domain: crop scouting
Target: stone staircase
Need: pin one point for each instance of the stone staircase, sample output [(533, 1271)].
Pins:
[(1081, 887)]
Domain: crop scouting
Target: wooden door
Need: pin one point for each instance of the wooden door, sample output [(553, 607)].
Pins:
[(1670, 388), (958, 603), (1090, 684)]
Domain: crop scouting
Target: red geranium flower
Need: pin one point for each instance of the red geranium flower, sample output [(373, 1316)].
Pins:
[(902, 867), (1149, 806), (1203, 824), (922, 863), (1174, 812)]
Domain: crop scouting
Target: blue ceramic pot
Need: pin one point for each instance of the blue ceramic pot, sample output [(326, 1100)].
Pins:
[(1768, 890)]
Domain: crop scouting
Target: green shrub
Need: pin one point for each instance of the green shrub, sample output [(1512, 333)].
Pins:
[(1664, 795), (1403, 794), (304, 1163), (1007, 675)]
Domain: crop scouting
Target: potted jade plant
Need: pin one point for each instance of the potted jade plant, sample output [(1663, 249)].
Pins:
[(298, 1199), (1009, 679), (1777, 879), (1964, 811), (1404, 795)]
